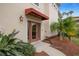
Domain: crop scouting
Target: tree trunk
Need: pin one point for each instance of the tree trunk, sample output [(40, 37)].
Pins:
[(70, 38), (60, 35)]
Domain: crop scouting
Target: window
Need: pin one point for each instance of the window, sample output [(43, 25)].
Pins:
[(53, 4), (36, 4), (33, 30)]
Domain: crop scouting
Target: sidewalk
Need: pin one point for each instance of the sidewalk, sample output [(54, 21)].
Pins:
[(42, 46)]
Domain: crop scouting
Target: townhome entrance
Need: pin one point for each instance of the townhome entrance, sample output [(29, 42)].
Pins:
[(34, 18), (33, 31)]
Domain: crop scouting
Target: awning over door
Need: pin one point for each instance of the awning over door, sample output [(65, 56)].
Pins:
[(36, 13)]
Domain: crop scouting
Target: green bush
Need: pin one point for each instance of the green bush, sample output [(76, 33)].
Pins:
[(11, 46)]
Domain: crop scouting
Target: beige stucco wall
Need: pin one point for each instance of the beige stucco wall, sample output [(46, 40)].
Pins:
[(53, 13), (9, 19), (53, 16), (10, 13)]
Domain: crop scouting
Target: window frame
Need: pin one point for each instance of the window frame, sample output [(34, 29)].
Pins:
[(36, 4)]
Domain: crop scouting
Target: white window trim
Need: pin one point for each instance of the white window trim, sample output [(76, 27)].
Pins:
[(36, 5), (55, 6)]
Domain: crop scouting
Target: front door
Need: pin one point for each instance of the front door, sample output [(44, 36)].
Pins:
[(33, 31)]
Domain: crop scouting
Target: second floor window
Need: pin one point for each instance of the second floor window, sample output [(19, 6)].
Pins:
[(36, 4)]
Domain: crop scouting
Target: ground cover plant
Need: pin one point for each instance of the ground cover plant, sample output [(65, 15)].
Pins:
[(12, 46)]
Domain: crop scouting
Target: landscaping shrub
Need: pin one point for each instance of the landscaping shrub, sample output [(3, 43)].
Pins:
[(11, 46)]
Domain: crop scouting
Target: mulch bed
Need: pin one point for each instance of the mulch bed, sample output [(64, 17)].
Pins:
[(42, 53), (66, 46)]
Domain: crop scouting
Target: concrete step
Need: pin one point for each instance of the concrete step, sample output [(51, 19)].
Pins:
[(40, 43)]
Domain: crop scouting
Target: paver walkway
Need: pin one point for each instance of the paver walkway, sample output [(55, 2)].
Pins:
[(42, 46)]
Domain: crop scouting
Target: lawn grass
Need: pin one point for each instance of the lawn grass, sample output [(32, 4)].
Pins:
[(75, 40)]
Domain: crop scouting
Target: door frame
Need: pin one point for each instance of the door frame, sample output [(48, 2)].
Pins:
[(38, 31)]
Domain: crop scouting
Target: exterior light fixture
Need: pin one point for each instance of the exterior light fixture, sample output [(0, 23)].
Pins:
[(21, 18)]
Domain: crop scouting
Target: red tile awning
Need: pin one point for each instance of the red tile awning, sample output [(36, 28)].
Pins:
[(37, 13)]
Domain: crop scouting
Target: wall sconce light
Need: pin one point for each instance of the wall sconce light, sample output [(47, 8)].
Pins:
[(21, 18)]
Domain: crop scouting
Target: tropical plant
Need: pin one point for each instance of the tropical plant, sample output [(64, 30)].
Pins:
[(11, 46), (65, 27), (68, 14), (70, 27), (58, 27)]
